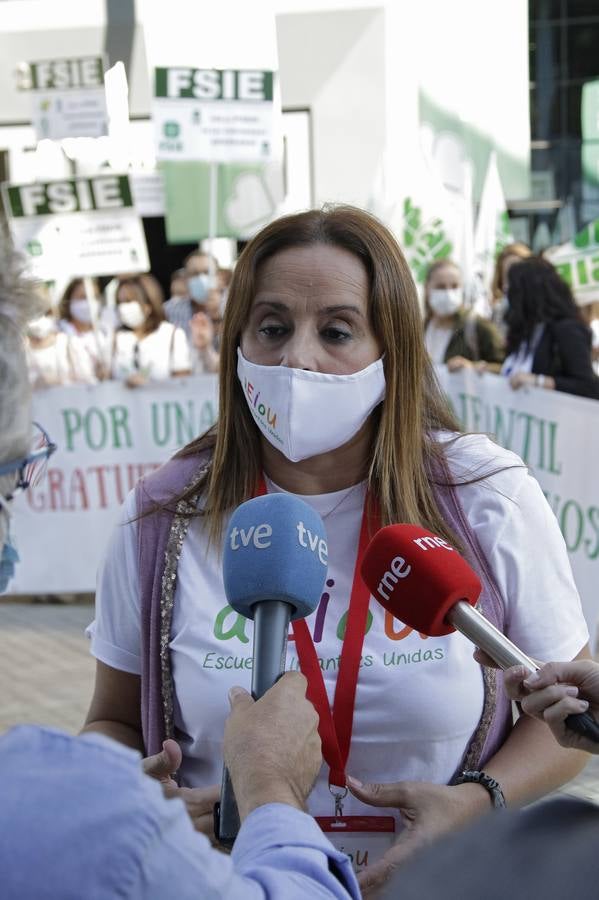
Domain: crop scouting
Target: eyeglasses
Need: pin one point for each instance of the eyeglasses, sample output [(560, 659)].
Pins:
[(31, 468)]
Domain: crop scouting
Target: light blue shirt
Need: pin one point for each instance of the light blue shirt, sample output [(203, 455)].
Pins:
[(80, 821)]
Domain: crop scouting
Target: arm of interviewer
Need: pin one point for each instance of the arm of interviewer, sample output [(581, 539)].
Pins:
[(272, 751)]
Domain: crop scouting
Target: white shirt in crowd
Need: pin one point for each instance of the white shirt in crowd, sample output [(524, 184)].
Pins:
[(436, 339), (62, 363), (96, 344), (418, 699), (157, 356)]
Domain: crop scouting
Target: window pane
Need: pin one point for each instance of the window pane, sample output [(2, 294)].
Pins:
[(583, 58), (544, 9), (545, 112), (545, 53), (582, 8)]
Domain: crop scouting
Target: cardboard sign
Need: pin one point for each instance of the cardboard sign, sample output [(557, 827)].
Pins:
[(83, 226), (213, 115), (67, 97)]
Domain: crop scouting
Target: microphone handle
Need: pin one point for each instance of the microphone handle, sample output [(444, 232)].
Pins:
[(472, 624), (271, 626)]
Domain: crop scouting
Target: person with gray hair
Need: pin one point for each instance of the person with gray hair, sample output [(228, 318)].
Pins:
[(19, 304), (79, 818)]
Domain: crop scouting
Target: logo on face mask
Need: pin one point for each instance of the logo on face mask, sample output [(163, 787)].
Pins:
[(257, 408)]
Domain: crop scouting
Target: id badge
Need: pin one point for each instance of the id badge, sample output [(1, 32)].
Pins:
[(365, 839)]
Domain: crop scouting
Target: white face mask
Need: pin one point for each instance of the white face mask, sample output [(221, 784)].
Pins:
[(445, 301), (131, 314), (595, 331), (304, 414), (80, 310), (41, 328)]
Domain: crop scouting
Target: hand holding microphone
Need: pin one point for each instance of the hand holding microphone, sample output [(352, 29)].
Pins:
[(424, 582), (274, 567), (554, 693)]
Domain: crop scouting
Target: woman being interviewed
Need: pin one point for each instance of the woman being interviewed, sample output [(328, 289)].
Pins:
[(323, 323)]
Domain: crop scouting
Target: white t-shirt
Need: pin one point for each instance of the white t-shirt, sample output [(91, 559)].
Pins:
[(64, 362), (418, 700), (95, 344), (158, 355), (436, 338)]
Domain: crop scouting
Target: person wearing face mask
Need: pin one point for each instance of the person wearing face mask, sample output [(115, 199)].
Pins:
[(453, 336), (146, 347), (327, 392), (192, 312), (79, 817), (55, 358), (510, 255), (81, 318)]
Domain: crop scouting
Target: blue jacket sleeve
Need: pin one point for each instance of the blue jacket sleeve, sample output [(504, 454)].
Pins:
[(280, 852)]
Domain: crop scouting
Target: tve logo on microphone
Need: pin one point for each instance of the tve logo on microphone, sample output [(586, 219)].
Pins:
[(275, 549), (260, 536)]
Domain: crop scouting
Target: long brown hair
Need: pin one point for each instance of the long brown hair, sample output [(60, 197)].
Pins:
[(148, 292), (399, 470), (522, 251)]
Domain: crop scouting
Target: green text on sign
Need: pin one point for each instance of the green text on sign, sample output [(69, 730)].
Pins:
[(65, 74), (59, 197), (214, 84)]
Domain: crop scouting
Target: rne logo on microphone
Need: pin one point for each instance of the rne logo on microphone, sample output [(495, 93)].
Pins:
[(399, 568), (431, 543)]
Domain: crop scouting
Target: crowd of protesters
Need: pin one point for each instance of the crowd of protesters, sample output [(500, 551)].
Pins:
[(128, 332), (534, 332)]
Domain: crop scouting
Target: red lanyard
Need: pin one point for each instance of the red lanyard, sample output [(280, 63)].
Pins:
[(335, 726)]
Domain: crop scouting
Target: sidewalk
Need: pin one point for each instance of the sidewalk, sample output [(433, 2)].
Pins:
[(47, 674)]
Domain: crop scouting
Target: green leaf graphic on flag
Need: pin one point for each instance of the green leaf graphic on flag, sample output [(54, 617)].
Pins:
[(423, 242)]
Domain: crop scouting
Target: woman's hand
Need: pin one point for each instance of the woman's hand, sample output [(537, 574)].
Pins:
[(136, 380), (553, 693), (459, 362), (522, 379), (528, 379), (428, 811), (199, 801)]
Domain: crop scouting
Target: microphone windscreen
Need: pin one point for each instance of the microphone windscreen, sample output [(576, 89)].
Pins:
[(275, 549), (418, 577)]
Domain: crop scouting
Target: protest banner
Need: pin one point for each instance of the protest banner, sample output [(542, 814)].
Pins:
[(577, 262), (108, 436), (556, 435), (67, 97), (83, 226)]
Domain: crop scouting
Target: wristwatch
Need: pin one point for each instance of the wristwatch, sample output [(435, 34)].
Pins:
[(487, 782)]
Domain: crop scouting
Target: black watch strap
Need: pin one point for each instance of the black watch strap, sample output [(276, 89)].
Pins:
[(493, 787)]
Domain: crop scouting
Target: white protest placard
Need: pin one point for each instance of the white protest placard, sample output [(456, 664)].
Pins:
[(557, 436), (85, 226), (67, 97), (213, 115), (108, 436), (577, 261)]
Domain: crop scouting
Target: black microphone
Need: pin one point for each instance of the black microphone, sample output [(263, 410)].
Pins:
[(274, 567)]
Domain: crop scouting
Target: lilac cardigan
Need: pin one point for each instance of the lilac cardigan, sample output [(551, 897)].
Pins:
[(153, 536)]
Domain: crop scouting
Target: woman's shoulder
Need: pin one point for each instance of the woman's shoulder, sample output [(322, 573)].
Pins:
[(564, 328), (476, 456), (172, 478)]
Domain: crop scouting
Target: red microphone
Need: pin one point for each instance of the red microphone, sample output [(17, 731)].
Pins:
[(423, 581)]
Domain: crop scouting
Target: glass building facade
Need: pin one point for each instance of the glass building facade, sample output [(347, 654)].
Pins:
[(564, 113)]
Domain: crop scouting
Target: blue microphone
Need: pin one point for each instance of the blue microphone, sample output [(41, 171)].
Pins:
[(274, 568)]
